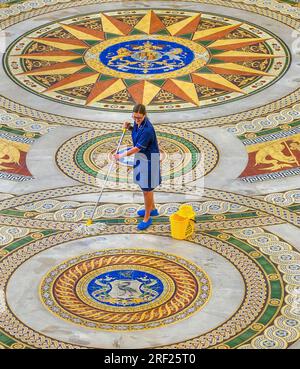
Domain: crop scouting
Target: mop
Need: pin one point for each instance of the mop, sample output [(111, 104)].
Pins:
[(90, 227)]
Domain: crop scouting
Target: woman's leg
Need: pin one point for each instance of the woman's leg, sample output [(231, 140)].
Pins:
[(153, 203), (149, 204)]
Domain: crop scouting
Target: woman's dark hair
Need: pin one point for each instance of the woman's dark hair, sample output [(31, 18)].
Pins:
[(139, 108)]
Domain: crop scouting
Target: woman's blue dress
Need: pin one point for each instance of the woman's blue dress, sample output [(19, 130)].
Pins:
[(146, 169)]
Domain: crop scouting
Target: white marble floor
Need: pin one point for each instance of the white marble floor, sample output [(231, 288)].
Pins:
[(234, 283)]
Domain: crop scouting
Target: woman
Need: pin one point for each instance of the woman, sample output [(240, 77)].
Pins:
[(146, 161)]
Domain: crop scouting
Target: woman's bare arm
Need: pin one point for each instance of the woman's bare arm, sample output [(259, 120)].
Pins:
[(132, 151)]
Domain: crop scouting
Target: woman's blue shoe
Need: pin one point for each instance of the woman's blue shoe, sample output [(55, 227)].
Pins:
[(144, 225), (141, 213)]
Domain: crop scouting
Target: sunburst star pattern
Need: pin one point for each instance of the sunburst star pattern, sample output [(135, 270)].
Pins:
[(163, 59)]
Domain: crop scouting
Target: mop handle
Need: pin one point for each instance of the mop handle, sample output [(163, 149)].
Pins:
[(108, 173)]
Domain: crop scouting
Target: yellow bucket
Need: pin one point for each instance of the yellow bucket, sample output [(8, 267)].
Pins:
[(186, 211), (183, 222)]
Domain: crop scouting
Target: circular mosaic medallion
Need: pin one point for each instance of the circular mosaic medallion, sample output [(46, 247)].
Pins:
[(185, 156), (125, 290), (151, 58), (267, 310), (123, 287), (165, 59)]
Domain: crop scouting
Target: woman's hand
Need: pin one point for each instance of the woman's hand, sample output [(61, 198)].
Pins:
[(126, 125), (118, 156)]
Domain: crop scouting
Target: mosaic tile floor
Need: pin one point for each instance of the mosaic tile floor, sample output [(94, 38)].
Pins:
[(221, 83)]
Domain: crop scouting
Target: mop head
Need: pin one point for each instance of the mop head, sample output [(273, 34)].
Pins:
[(89, 222), (90, 228)]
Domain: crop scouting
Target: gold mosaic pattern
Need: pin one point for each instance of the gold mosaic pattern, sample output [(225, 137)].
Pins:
[(185, 157), (49, 63), (185, 291), (283, 13), (244, 316), (25, 223)]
